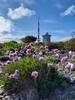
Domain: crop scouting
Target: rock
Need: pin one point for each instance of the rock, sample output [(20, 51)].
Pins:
[(5, 94), (7, 98), (32, 95), (1, 90), (1, 96)]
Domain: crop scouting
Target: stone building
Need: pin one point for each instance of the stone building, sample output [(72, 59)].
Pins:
[(46, 38)]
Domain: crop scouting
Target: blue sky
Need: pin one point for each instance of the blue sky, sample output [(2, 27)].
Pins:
[(18, 18)]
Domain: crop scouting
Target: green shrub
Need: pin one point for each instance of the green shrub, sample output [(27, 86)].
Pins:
[(47, 81)]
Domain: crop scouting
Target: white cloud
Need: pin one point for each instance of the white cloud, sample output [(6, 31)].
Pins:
[(5, 25), (20, 12), (6, 38), (69, 11)]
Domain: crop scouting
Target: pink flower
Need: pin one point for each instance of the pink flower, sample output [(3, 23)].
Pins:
[(16, 74), (46, 47), (34, 74), (5, 64), (16, 71), (28, 51), (8, 77), (49, 65), (15, 54), (73, 56), (8, 62), (69, 66), (64, 59), (41, 59)]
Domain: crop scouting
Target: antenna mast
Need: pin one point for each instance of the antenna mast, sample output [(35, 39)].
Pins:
[(38, 31)]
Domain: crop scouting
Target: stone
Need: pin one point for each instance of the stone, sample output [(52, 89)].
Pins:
[(1, 96), (1, 90), (7, 98), (5, 94), (32, 95)]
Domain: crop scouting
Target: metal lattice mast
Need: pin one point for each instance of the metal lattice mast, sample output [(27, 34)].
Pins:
[(38, 31)]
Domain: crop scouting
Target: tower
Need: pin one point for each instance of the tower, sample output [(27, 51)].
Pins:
[(38, 38), (46, 38)]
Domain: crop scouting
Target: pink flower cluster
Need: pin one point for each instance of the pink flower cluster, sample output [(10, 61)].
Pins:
[(70, 66), (15, 75), (64, 59), (7, 63), (34, 74), (28, 51), (42, 59), (46, 46), (12, 54)]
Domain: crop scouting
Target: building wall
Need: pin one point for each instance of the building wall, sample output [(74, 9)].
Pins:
[(46, 38)]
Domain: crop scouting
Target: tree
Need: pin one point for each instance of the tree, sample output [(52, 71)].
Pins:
[(28, 39)]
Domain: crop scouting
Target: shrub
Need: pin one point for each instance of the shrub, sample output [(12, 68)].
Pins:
[(47, 80)]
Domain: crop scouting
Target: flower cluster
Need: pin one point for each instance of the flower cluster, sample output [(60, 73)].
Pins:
[(70, 66), (15, 75), (41, 59), (34, 74)]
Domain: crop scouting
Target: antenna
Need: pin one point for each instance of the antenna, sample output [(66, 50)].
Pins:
[(38, 30)]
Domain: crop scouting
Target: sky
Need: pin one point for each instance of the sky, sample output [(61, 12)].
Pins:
[(19, 18)]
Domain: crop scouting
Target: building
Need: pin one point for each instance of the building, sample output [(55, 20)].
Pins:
[(46, 38)]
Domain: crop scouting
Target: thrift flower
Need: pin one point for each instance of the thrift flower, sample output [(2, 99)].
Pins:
[(41, 58), (69, 66), (16, 74), (28, 51), (34, 74), (46, 47)]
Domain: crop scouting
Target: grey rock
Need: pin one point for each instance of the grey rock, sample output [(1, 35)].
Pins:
[(1, 96), (7, 98), (1, 91), (32, 95)]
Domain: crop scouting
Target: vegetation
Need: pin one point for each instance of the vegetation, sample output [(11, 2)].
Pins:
[(47, 80), (28, 39)]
